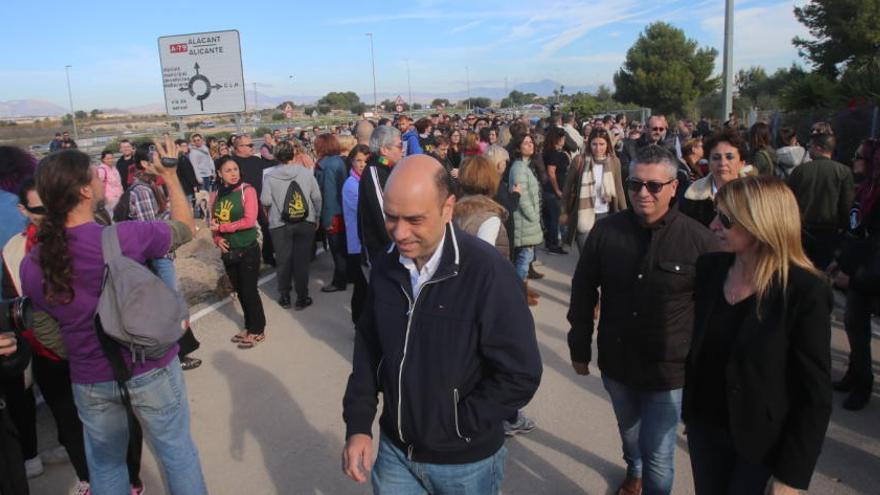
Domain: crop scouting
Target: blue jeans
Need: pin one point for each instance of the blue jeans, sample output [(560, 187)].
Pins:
[(164, 269), (522, 256), (159, 401), (394, 474), (207, 184), (647, 422)]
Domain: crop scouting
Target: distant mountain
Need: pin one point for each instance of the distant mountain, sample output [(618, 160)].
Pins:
[(30, 108)]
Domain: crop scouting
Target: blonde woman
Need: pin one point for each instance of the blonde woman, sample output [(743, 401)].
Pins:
[(593, 188), (757, 395)]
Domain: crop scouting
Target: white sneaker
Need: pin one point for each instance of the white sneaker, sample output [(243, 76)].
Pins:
[(33, 467), (57, 455), (81, 488)]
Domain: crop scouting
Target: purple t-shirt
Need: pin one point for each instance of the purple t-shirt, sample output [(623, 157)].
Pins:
[(140, 241)]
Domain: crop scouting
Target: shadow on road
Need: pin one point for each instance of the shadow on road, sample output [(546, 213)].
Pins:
[(293, 451)]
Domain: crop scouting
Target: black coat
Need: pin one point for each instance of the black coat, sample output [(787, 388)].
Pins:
[(452, 363), (370, 216), (778, 374), (13, 480), (646, 275)]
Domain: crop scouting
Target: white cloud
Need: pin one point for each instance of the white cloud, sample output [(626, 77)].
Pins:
[(604, 58), (465, 27)]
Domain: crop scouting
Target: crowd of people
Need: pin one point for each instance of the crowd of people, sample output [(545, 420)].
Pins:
[(706, 261)]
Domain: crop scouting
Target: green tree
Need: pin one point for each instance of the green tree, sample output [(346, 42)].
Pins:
[(664, 70), (175, 126), (339, 100), (81, 115), (192, 125), (478, 101), (813, 90), (358, 108), (436, 102), (417, 106), (277, 117), (518, 98), (845, 32), (284, 104), (67, 119), (95, 112), (584, 105)]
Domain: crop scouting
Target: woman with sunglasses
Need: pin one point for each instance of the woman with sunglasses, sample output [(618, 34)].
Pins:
[(757, 397), (727, 152), (593, 188), (858, 271)]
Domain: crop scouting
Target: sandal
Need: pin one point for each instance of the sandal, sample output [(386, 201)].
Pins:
[(251, 341), (239, 337)]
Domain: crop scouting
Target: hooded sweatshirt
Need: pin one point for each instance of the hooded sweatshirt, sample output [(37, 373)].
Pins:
[(275, 183), (790, 157)]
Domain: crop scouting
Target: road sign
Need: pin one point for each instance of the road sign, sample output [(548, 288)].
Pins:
[(288, 111), (398, 108), (202, 73), (399, 101)]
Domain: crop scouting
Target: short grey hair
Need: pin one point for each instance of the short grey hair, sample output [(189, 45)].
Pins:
[(382, 137), (657, 155)]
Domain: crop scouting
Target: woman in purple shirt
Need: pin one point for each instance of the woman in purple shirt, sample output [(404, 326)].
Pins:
[(63, 277)]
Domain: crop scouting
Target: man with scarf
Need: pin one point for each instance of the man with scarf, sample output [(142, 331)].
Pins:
[(387, 149)]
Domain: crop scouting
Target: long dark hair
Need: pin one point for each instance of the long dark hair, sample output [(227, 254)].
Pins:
[(59, 178), (16, 165)]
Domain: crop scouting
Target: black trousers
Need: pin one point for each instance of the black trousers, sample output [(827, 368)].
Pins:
[(357, 278), (857, 322), (819, 245), (718, 468), (13, 479), (244, 273), (22, 409), (551, 210), (187, 344), (293, 253), (268, 247), (339, 251)]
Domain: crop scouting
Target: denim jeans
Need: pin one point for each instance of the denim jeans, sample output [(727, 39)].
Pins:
[(160, 402), (522, 256), (647, 421), (394, 474), (550, 211), (207, 184), (164, 269)]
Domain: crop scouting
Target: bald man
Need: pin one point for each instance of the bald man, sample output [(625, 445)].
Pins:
[(448, 339)]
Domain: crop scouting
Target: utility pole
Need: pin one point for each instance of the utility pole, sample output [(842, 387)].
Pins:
[(256, 109), (70, 99), (409, 85), (373, 63), (727, 103)]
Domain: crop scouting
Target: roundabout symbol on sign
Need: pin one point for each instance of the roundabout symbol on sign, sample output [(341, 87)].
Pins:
[(207, 87)]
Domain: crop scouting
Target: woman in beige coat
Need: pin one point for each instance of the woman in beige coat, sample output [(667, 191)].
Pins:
[(593, 188)]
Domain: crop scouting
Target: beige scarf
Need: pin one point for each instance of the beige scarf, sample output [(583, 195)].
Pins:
[(587, 196)]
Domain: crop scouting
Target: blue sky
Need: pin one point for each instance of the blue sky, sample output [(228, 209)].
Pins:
[(112, 45)]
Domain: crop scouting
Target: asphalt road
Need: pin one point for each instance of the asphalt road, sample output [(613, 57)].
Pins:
[(269, 420)]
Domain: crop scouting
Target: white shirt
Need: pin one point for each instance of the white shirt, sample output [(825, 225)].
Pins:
[(600, 206), (418, 277)]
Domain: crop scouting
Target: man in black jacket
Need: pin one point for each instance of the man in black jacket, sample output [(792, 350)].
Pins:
[(14, 358), (644, 261), (387, 149), (448, 339), (250, 168)]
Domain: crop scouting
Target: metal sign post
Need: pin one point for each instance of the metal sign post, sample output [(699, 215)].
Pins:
[(202, 73)]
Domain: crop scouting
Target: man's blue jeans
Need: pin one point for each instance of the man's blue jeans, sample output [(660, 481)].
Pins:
[(647, 423), (394, 474), (160, 403), (164, 269)]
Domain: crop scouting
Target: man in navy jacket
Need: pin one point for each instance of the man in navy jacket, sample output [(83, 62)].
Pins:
[(447, 337)]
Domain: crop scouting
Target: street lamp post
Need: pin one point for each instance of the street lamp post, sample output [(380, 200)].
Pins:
[(467, 72), (409, 84), (70, 99), (727, 104), (373, 63)]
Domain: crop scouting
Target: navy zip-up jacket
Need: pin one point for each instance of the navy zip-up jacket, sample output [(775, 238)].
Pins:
[(453, 363)]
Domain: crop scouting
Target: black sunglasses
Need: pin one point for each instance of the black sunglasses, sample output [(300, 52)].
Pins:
[(36, 210), (654, 187), (725, 220)]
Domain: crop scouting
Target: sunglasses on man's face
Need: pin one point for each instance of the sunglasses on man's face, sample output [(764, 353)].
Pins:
[(249, 145), (653, 186), (658, 129), (725, 220), (35, 210)]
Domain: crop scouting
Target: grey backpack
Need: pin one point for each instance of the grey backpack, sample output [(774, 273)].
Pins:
[(136, 309)]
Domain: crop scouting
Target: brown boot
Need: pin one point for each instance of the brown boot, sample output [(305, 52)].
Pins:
[(533, 301), (533, 274), (630, 486), (532, 293)]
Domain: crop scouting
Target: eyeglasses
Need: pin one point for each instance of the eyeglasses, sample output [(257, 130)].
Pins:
[(654, 187), (249, 145), (658, 129), (36, 210), (716, 157), (725, 220)]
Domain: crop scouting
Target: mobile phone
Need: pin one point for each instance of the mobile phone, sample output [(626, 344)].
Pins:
[(152, 152)]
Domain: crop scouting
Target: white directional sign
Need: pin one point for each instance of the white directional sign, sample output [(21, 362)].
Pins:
[(202, 73)]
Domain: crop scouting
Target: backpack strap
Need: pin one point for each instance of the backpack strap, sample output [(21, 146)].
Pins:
[(110, 246)]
